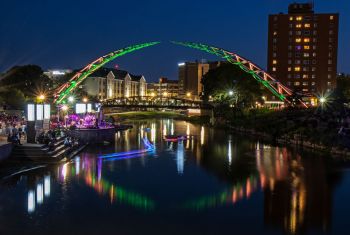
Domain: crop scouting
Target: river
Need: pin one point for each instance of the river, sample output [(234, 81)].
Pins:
[(215, 182)]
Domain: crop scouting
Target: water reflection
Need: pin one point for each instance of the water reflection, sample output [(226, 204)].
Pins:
[(293, 191), (226, 198), (180, 160), (37, 193)]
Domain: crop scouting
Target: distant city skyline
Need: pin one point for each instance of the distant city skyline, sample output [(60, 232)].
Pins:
[(66, 35)]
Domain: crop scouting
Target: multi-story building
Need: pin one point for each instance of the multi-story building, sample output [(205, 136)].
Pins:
[(57, 73), (116, 84), (302, 48), (164, 87), (190, 77)]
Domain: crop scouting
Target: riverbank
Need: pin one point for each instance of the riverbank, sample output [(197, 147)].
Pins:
[(309, 129)]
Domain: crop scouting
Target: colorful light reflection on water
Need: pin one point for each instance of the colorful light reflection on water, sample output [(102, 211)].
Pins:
[(214, 174)]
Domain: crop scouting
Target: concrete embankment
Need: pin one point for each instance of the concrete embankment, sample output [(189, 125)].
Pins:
[(5, 151)]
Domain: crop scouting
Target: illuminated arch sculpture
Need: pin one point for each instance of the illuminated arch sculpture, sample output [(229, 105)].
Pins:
[(259, 74), (79, 77), (276, 88)]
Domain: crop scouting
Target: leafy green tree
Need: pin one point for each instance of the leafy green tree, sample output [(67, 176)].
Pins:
[(229, 84)]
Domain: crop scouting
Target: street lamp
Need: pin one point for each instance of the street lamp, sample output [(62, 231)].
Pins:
[(323, 100), (41, 97), (188, 94), (85, 100), (230, 93), (71, 99)]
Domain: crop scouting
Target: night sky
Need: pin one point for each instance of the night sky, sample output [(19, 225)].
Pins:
[(72, 33)]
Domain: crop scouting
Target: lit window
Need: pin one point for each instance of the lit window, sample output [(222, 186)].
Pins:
[(305, 90), (275, 33), (296, 83), (306, 47), (307, 25), (299, 18), (298, 26), (274, 62), (305, 76), (313, 83), (306, 39), (298, 40), (305, 83), (291, 18), (306, 54), (331, 17), (274, 69), (329, 83), (297, 69), (329, 76), (289, 69)]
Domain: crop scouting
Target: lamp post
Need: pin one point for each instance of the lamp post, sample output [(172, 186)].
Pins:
[(323, 101), (188, 95), (41, 99), (65, 108), (85, 100)]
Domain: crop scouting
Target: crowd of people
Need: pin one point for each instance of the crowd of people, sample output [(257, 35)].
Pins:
[(12, 127)]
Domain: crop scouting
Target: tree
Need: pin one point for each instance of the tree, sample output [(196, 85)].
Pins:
[(12, 99), (229, 84), (28, 78), (342, 91)]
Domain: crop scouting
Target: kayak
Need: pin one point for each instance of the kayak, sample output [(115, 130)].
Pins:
[(175, 138)]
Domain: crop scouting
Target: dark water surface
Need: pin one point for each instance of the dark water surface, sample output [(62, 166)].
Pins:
[(213, 183)]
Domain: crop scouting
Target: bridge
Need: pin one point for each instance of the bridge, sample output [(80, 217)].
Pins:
[(156, 102), (272, 84)]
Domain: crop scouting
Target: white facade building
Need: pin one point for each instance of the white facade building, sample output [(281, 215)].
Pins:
[(117, 84)]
